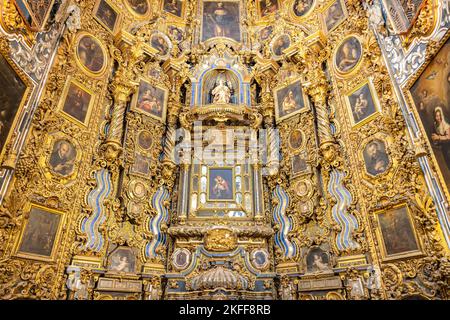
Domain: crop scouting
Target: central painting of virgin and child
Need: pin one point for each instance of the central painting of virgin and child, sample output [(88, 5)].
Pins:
[(221, 19), (220, 183)]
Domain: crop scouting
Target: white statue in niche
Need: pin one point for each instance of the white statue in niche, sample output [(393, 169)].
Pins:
[(222, 92)]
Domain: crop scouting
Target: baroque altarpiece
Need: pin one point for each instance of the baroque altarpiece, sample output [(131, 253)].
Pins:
[(237, 149)]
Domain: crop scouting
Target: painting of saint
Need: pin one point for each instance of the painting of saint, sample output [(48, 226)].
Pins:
[(280, 44), (11, 96), (77, 103), (106, 14), (40, 233), (296, 139), (159, 43), (122, 260), (141, 165), (317, 261), (265, 33), (397, 232), (145, 140), (376, 158), (62, 158), (299, 164), (141, 7), (91, 54), (302, 7), (221, 19), (221, 184), (174, 7), (176, 33), (362, 104), (348, 55), (431, 96), (267, 7), (334, 15), (289, 100), (151, 100)]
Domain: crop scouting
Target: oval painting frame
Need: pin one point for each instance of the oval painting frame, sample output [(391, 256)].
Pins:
[(79, 59)]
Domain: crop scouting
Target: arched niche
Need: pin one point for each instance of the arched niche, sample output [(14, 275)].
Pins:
[(212, 80)]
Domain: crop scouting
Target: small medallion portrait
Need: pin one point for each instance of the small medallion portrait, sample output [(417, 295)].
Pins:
[(138, 189), (63, 157), (265, 33), (151, 100), (141, 165), (221, 186), (296, 139), (280, 44), (107, 15), (145, 140), (302, 7), (267, 7), (303, 188), (181, 259), (122, 260), (299, 164), (161, 44), (376, 158), (317, 261), (40, 234), (176, 33), (139, 7), (221, 19), (397, 232), (290, 100), (363, 104), (91, 55), (348, 55), (260, 259), (334, 15), (174, 7), (77, 103)]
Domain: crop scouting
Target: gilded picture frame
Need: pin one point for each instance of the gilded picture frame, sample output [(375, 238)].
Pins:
[(136, 97), (381, 237), (29, 86), (86, 70), (323, 16), (353, 70), (117, 21), (406, 89), (136, 14), (233, 184), (62, 102), (173, 16), (305, 99), (355, 124), (33, 208), (261, 16), (300, 19), (31, 18)]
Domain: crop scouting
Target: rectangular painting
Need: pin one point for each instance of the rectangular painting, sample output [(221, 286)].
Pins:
[(107, 15), (334, 15), (362, 104), (403, 13), (290, 100), (174, 7), (398, 238), (12, 96), (220, 184), (40, 234), (151, 100), (267, 7), (77, 103), (141, 165), (221, 19), (35, 13), (431, 99), (299, 164)]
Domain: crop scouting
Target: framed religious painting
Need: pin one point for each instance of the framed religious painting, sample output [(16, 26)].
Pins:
[(139, 8), (151, 100), (174, 8), (35, 14), (144, 140), (221, 19), (290, 100), (348, 56), (279, 44), (299, 164), (376, 157), (108, 15), (76, 103), (333, 15), (362, 104), (403, 14), (40, 234), (300, 9), (91, 54), (162, 44), (428, 93), (141, 165), (267, 7), (396, 233), (297, 140), (221, 181), (122, 260), (16, 89)]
